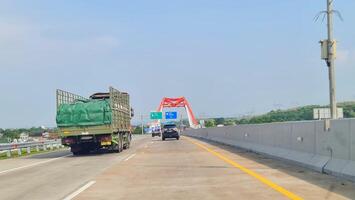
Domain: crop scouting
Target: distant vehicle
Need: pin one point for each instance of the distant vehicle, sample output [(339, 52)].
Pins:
[(170, 131), (220, 125), (156, 131), (102, 121)]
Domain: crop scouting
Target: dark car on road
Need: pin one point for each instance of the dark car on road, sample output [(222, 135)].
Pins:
[(170, 131)]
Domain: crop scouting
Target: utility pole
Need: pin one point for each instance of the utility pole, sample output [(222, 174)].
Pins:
[(142, 124), (330, 60), (181, 122)]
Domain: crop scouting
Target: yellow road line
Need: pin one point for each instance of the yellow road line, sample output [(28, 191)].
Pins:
[(262, 179)]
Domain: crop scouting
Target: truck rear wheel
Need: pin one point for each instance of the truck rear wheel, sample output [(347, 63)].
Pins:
[(115, 148), (76, 150), (80, 152), (128, 142), (121, 142)]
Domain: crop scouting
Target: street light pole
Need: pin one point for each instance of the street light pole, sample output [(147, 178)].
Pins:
[(330, 59)]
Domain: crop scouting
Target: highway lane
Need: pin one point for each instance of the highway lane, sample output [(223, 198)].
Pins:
[(193, 169), (55, 175), (155, 169)]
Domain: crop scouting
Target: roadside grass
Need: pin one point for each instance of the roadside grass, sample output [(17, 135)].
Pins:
[(24, 153)]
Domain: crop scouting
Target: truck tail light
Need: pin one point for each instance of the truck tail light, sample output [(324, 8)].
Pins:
[(68, 141)]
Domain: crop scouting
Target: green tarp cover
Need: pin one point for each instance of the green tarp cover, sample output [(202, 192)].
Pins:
[(88, 113)]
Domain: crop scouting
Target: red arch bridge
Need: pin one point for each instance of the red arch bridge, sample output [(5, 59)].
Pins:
[(179, 102)]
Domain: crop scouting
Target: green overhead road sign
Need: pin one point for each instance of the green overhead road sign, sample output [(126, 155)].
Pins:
[(156, 115)]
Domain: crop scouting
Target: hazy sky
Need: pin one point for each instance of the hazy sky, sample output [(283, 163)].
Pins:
[(227, 57)]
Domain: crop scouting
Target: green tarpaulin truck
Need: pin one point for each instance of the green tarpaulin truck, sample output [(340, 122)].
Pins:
[(102, 121)]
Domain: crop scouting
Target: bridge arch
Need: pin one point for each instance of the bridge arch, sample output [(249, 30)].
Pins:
[(176, 103)]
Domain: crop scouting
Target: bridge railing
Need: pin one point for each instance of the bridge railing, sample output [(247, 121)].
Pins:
[(29, 146)]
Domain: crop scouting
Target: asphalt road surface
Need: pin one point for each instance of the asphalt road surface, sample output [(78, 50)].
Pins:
[(160, 170)]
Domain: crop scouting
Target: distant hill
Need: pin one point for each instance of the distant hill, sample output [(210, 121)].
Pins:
[(294, 114)]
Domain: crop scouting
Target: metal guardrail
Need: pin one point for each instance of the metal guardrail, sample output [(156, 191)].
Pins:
[(44, 145), (11, 146)]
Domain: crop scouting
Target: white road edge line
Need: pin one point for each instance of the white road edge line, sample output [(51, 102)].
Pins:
[(129, 157), (31, 165), (80, 190)]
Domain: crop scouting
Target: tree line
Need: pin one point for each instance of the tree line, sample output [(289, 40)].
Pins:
[(10, 134), (295, 114)]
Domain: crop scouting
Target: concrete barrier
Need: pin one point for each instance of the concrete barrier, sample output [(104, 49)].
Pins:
[(307, 143)]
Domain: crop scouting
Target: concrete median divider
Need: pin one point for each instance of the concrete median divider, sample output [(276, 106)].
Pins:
[(311, 144)]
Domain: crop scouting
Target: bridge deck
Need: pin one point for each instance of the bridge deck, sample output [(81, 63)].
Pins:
[(155, 169), (192, 169)]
